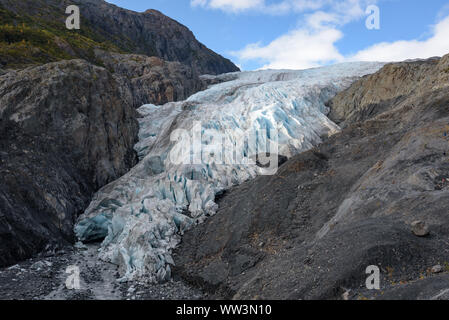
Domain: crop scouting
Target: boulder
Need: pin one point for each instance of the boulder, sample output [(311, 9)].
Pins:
[(420, 229)]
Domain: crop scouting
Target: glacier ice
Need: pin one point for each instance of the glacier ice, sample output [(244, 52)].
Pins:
[(143, 215)]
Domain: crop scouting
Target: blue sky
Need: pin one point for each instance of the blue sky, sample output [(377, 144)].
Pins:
[(299, 34)]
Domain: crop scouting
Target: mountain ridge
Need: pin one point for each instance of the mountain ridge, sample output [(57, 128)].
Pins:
[(38, 27)]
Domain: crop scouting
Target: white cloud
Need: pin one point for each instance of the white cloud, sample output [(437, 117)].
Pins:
[(282, 6), (436, 45), (313, 43), (229, 5), (300, 49)]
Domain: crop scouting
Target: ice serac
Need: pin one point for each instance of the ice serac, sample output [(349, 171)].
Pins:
[(143, 215)]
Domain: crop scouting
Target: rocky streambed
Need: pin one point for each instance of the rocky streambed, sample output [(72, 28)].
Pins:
[(45, 278)]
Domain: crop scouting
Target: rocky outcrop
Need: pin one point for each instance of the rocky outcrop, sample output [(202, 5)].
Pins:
[(150, 79), (153, 34), (67, 129), (377, 93), (105, 26), (311, 230)]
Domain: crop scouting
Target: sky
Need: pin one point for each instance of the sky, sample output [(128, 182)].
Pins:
[(299, 34)]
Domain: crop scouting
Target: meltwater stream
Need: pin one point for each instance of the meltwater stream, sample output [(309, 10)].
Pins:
[(143, 215)]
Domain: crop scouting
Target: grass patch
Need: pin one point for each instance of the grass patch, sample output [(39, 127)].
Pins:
[(26, 40)]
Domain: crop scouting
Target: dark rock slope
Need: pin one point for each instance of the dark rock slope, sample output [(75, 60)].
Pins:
[(151, 79), (66, 129), (33, 31), (153, 34), (311, 230)]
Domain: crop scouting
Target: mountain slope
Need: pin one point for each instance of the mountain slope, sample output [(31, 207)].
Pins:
[(311, 230), (67, 128), (69, 125), (34, 32)]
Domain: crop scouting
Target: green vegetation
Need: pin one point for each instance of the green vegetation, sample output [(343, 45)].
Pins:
[(26, 40)]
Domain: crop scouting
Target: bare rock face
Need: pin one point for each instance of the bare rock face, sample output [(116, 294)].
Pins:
[(151, 79), (311, 230), (153, 34), (376, 93), (66, 129)]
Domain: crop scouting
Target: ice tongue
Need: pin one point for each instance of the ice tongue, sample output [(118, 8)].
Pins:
[(144, 213)]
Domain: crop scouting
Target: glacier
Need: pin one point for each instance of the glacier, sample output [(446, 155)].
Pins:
[(142, 215)]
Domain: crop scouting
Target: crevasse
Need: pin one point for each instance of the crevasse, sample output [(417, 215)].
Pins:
[(142, 215)]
